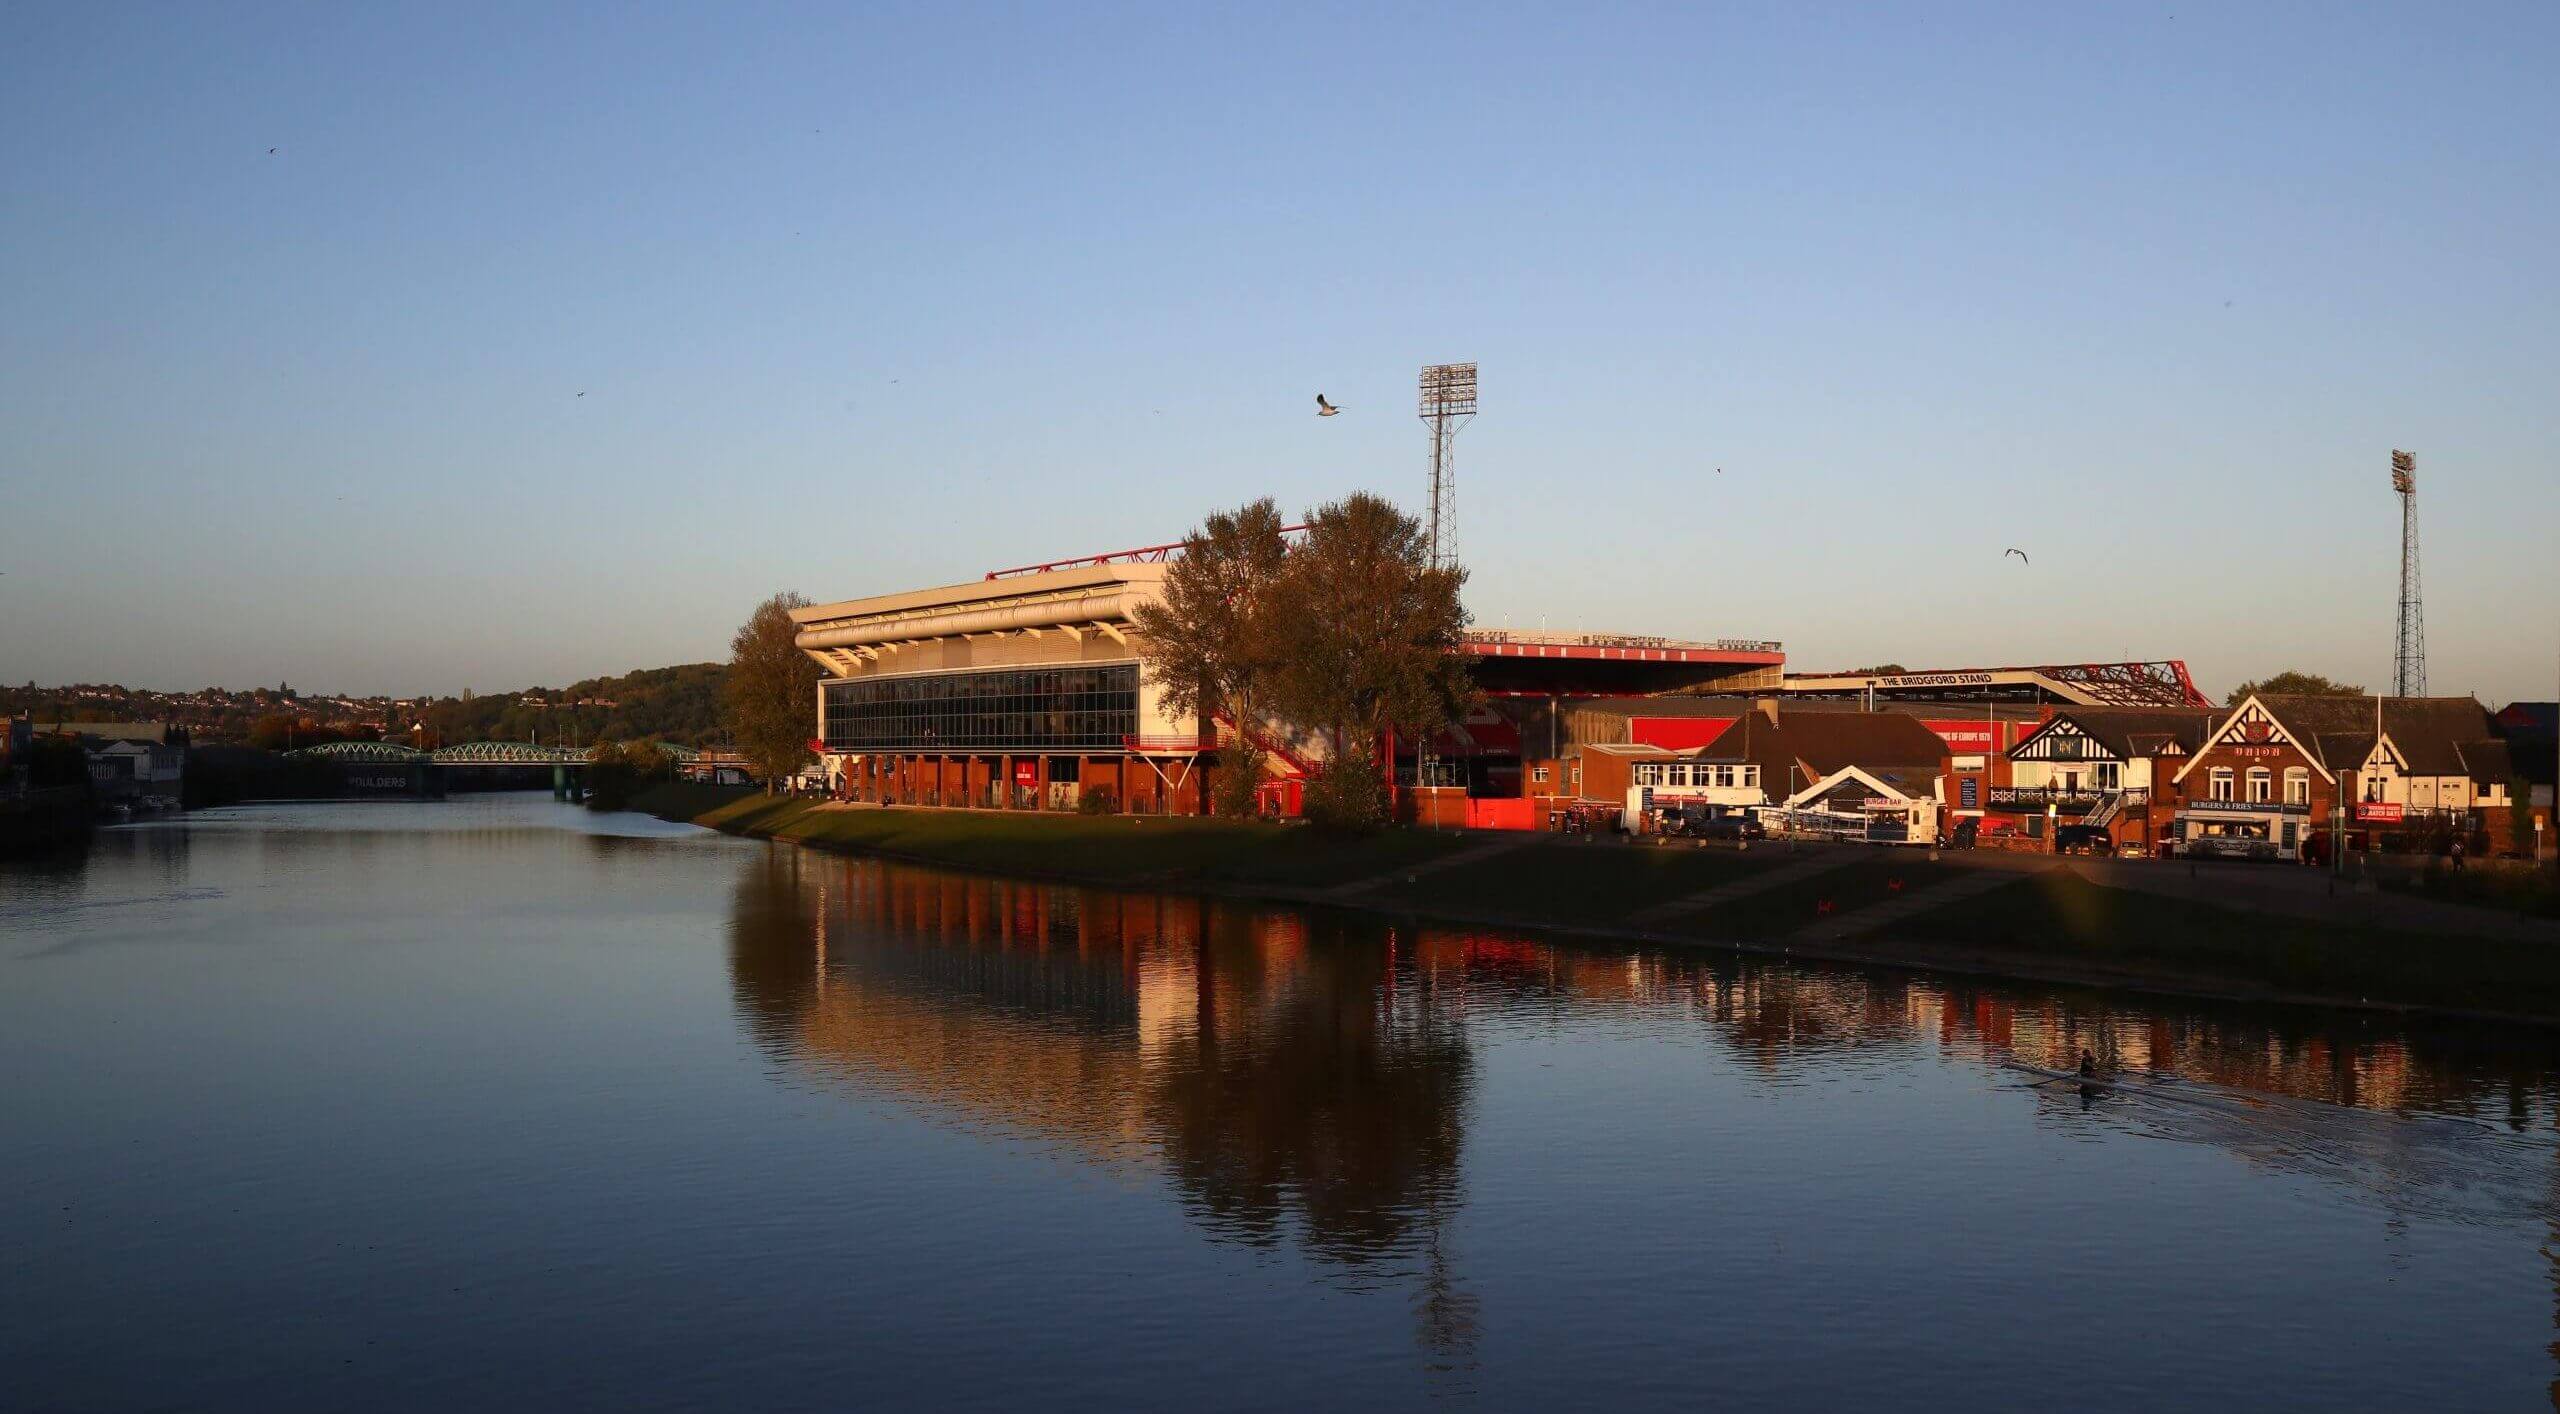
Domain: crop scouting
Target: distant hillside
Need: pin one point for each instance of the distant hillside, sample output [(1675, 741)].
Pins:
[(680, 704)]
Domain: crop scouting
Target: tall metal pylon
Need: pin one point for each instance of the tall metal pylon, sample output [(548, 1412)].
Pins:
[(1448, 403), (2409, 658)]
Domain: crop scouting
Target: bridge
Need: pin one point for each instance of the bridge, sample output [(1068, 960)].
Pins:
[(560, 761)]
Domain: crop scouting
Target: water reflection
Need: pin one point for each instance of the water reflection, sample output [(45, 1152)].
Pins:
[(1306, 1077), (1295, 1077), (468, 1072)]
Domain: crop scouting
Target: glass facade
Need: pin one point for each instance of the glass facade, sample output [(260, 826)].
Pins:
[(1076, 708)]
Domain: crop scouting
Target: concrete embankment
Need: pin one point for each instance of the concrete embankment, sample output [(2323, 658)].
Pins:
[(2015, 916)]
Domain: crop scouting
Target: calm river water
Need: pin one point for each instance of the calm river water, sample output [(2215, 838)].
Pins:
[(491, 1103)]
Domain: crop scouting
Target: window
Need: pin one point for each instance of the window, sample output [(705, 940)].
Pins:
[(1067, 708), (2110, 775), (1538, 774), (2221, 788), (2297, 786), (2262, 784)]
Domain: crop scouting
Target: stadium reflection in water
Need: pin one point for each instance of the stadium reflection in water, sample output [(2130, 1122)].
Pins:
[(1307, 1077)]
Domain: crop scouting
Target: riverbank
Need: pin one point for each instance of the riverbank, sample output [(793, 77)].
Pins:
[(2016, 916)]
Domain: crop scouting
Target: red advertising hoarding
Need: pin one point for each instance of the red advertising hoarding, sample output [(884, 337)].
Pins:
[(1973, 738)]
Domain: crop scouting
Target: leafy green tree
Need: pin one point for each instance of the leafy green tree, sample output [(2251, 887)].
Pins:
[(2293, 684), (1365, 633), (1209, 645), (772, 690), (620, 770)]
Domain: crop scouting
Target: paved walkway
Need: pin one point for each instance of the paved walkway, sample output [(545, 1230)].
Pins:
[(1509, 841), (1823, 860), (2313, 894), (1903, 905)]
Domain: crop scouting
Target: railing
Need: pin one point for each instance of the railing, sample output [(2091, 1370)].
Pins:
[(2038, 797), (1264, 742)]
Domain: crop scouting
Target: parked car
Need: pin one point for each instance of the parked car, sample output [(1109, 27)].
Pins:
[(1735, 829), (2082, 839)]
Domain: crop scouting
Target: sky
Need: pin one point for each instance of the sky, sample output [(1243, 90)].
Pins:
[(546, 341)]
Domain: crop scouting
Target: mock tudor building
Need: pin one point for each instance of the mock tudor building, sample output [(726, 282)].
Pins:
[(2281, 771), (2102, 767)]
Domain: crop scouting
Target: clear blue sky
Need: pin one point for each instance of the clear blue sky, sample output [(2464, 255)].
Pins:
[(865, 300)]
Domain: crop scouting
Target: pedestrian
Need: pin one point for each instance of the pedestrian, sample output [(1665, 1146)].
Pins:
[(2457, 854)]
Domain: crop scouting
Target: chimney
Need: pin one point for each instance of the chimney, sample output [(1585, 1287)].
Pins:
[(1767, 707)]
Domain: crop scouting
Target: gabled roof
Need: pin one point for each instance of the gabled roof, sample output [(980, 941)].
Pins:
[(1827, 741), (1889, 784), (2337, 733), (2129, 732), (2487, 760)]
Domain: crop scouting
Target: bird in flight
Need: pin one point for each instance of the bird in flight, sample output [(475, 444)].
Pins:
[(272, 151), (582, 395), (1323, 408), (2021, 554)]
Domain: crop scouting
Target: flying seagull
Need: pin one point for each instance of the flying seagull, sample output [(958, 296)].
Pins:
[(271, 152), (2021, 554), (1323, 408)]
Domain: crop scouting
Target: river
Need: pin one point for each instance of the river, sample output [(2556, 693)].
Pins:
[(494, 1103)]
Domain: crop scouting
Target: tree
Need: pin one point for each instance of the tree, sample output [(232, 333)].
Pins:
[(2293, 684), (772, 690), (1209, 644), (1882, 670), (1365, 635), (619, 770)]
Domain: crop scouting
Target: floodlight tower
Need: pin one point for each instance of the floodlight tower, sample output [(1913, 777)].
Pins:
[(1448, 403), (2409, 659)]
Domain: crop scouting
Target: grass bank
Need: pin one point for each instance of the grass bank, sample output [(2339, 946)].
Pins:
[(1132, 850), (2049, 924)]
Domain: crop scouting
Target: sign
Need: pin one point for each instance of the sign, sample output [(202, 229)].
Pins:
[(2245, 807), (2255, 734), (2379, 812), (1026, 773), (1932, 680), (1962, 737), (1969, 793)]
